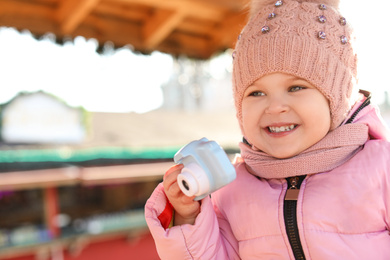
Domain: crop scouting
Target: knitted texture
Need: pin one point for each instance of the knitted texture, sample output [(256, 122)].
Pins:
[(333, 150), (291, 44)]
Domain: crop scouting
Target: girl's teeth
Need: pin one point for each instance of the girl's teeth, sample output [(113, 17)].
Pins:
[(274, 129)]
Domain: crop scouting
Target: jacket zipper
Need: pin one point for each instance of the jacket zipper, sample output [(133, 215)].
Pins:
[(363, 105), (290, 216)]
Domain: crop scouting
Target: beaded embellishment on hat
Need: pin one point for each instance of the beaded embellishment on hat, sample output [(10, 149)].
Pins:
[(343, 39), (322, 19), (322, 7), (266, 29), (343, 21), (279, 3), (321, 35), (271, 16), (234, 52)]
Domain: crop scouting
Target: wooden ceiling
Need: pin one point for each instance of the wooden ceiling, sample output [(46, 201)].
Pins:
[(195, 28)]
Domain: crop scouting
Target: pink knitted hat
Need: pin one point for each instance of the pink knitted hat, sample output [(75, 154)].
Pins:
[(308, 39)]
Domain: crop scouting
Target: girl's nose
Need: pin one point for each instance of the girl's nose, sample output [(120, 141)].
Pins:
[(276, 105)]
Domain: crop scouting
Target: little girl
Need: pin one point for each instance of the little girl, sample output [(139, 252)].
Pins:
[(313, 178)]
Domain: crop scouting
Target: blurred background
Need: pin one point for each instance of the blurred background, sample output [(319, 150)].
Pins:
[(96, 96)]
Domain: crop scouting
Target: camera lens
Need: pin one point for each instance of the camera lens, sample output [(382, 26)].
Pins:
[(185, 185)]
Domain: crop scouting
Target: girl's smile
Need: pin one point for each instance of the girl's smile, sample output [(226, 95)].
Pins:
[(284, 115), (280, 129)]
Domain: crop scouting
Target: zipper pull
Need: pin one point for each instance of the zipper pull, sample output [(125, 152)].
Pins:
[(293, 191)]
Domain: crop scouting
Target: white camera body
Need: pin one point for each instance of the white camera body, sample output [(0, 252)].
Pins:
[(206, 168)]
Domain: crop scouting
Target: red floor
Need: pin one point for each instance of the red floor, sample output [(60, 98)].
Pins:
[(141, 248)]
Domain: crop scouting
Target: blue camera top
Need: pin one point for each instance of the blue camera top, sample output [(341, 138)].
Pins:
[(206, 168)]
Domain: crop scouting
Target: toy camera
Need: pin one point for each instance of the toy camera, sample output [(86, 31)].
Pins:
[(206, 168)]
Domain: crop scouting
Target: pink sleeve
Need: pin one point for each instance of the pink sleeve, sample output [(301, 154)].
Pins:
[(202, 240)]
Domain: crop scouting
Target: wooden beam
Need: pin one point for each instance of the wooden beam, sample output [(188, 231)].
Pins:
[(48, 178), (226, 33), (187, 44), (178, 43), (234, 5), (180, 26), (160, 26), (104, 30), (196, 26), (122, 12), (39, 178), (124, 173), (72, 13), (202, 10), (28, 10)]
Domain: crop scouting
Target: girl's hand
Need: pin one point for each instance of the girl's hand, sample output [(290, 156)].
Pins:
[(186, 209)]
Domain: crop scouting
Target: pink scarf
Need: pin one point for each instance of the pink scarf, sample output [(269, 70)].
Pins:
[(337, 147)]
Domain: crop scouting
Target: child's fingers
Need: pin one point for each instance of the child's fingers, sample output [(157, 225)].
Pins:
[(174, 168), (170, 180), (173, 187), (187, 200)]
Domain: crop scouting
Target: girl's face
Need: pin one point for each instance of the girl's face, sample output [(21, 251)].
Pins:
[(283, 115)]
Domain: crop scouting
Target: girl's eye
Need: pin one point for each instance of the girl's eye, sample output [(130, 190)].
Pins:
[(296, 88), (256, 94)]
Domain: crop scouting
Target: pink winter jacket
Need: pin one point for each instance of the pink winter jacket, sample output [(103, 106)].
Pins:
[(341, 214)]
